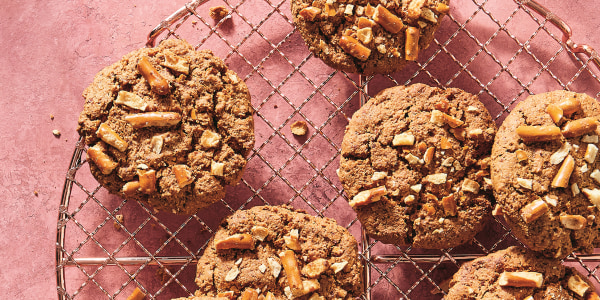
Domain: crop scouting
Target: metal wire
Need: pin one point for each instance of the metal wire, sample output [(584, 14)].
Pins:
[(99, 256)]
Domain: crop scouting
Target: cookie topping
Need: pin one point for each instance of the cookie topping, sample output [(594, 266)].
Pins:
[(531, 134), (439, 178), (157, 82), (580, 127), (551, 199), (147, 181), (209, 139), (403, 139), (449, 205), (470, 186), (97, 155), (290, 265), (262, 268), (414, 8), (259, 232), (156, 144), (183, 175), (131, 100), (338, 266), (275, 266), (575, 189), (521, 155), (534, 210), (387, 20), (379, 176), (315, 268), (525, 183), (521, 279), (130, 187), (560, 154), (232, 274), (159, 119), (577, 285), (411, 47), (574, 222), (236, 241), (590, 153), (216, 168), (439, 118), (368, 196), (291, 240), (590, 139), (175, 62), (570, 105), (564, 173)]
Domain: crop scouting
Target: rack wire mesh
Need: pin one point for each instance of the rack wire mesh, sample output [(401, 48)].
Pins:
[(502, 51)]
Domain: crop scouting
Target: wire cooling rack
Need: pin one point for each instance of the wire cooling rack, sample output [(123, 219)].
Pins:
[(500, 50)]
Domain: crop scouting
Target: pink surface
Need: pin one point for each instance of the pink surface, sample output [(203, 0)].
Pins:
[(50, 52)]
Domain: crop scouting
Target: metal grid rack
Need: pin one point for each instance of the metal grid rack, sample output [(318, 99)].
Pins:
[(500, 55)]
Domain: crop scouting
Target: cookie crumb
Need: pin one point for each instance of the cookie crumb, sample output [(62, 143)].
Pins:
[(56, 132), (119, 218), (299, 128), (217, 13), (36, 193), (51, 117)]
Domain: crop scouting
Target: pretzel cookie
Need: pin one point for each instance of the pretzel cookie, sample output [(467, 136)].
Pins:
[(518, 273), (545, 173), (368, 36), (415, 166), (168, 125), (272, 252)]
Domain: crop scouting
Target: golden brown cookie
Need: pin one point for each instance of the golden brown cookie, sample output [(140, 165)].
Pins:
[(518, 273), (415, 166), (168, 125), (368, 37), (274, 251), (545, 172)]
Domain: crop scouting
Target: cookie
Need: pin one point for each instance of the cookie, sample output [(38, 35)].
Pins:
[(368, 37), (275, 251), (168, 125), (545, 173), (518, 273), (414, 166)]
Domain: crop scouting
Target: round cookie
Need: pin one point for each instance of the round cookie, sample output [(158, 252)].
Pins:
[(168, 125), (414, 166), (251, 247), (368, 37), (493, 277), (559, 217)]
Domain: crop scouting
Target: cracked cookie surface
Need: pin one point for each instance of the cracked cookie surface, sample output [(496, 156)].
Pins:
[(414, 166), (325, 256), (368, 37), (176, 143), (551, 208)]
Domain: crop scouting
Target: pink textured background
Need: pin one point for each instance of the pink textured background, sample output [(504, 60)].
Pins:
[(51, 50)]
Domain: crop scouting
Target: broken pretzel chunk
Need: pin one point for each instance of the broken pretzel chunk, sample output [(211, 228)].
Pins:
[(218, 13), (259, 232), (131, 100), (570, 105), (403, 139), (521, 155), (459, 133), (292, 240), (275, 267), (316, 296), (236, 241), (365, 35), (590, 153), (449, 205), (439, 178), (555, 112), (411, 46), (228, 294), (577, 285), (131, 187), (574, 222), (497, 211), (310, 13), (183, 175), (338, 266), (290, 266), (147, 180), (368, 196), (474, 133), (97, 155), (217, 168), (521, 279), (175, 62), (157, 82), (593, 196), (414, 8), (156, 143), (315, 268), (595, 175), (564, 173), (137, 294), (428, 15), (365, 23), (250, 294), (387, 20), (470, 186), (409, 200), (539, 133), (551, 199), (299, 128), (429, 154), (379, 176), (209, 139), (590, 139), (232, 274), (445, 143), (442, 8), (353, 47), (534, 210), (580, 127), (560, 154), (159, 119), (439, 118)]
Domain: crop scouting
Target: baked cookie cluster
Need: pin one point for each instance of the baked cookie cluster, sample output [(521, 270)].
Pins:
[(368, 37), (168, 125)]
